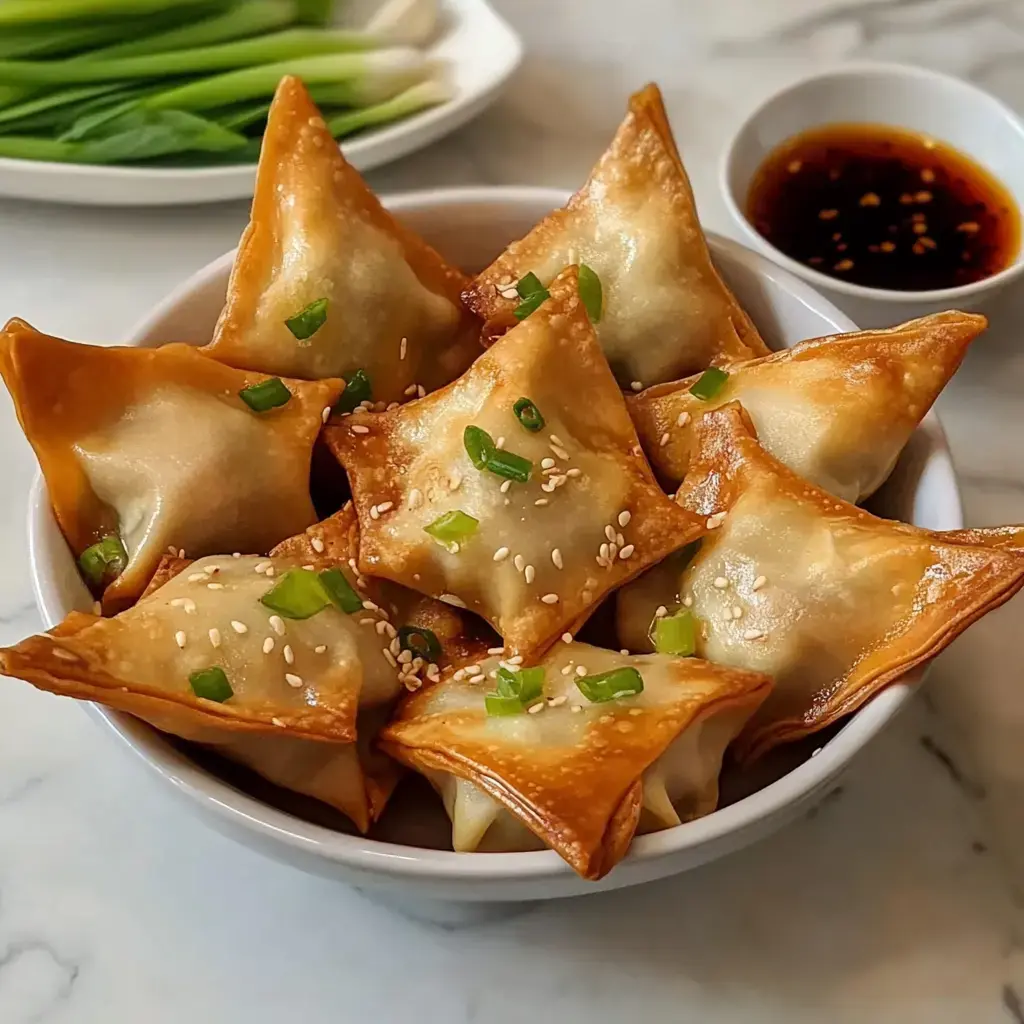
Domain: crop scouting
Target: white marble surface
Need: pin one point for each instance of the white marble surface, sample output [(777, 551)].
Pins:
[(900, 900)]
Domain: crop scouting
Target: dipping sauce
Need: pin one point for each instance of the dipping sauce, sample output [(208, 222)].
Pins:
[(884, 207)]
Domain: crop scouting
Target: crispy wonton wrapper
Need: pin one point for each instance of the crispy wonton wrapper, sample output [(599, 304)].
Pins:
[(666, 311), (579, 776), (832, 602)]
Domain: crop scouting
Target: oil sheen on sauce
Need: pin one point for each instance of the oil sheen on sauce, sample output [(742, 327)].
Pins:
[(884, 207)]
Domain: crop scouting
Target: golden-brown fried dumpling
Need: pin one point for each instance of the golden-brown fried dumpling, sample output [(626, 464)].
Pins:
[(216, 656), (382, 300), (830, 601), (158, 447), (524, 756), (836, 410), (666, 312), (563, 509)]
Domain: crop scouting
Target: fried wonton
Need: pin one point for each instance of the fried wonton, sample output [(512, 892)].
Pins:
[(576, 774), (666, 312), (829, 600), (836, 410), (157, 447), (318, 234), (279, 685), (532, 558)]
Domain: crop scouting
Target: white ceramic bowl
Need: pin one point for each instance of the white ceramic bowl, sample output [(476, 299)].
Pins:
[(471, 226), (478, 49), (924, 101)]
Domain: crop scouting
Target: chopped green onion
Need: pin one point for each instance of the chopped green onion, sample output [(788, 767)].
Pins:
[(530, 682), (422, 642), (297, 595), (496, 704), (357, 390), (709, 384), (530, 285), (591, 293), (510, 466), (308, 321), (675, 634), (340, 592), (530, 305), (528, 414), (103, 561), (451, 529), (267, 395), (479, 446), (605, 686), (211, 684)]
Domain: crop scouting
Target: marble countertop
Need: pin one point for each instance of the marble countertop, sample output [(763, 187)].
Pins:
[(899, 899)]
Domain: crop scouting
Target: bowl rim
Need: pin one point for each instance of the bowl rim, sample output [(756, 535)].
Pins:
[(861, 69), (235, 807)]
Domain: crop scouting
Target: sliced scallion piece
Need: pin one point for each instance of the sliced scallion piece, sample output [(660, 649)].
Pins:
[(422, 642), (340, 592), (104, 561), (496, 704), (308, 321), (591, 293), (479, 445), (528, 414), (708, 385), (510, 466), (358, 389), (267, 395), (299, 594), (532, 292), (675, 634), (452, 529), (211, 684), (515, 691), (530, 305), (605, 686)]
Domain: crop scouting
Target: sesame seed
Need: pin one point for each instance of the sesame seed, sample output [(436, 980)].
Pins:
[(720, 583), (547, 463), (395, 647), (403, 347), (560, 453), (613, 550), (737, 612), (236, 554), (390, 657), (367, 622), (197, 576), (370, 606), (550, 599), (179, 639), (556, 558), (627, 552), (478, 678), (620, 540), (752, 634), (603, 550), (374, 514), (682, 419), (636, 711), (535, 709), (390, 630), (566, 670), (660, 612), (664, 440), (239, 627), (277, 624), (379, 626), (517, 660), (574, 472), (211, 570), (326, 414), (269, 572), (358, 428), (501, 554), (555, 439), (549, 486), (581, 671), (320, 649), (293, 680), (624, 518), (687, 601), (495, 650), (506, 484), (727, 615), (278, 722), (421, 391), (289, 654), (519, 562), (385, 506), (214, 586), (540, 502), (410, 390), (179, 602), (318, 544), (716, 520), (636, 385), (576, 708), (268, 645), (567, 638), (609, 532), (759, 583), (557, 702), (404, 657), (624, 651), (455, 602), (261, 567), (530, 573), (500, 443), (214, 635)]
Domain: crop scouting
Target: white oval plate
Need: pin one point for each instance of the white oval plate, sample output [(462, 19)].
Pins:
[(478, 48)]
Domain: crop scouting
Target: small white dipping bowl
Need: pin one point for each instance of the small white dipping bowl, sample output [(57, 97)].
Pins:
[(470, 226), (917, 99)]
